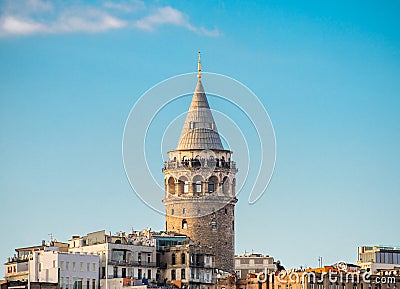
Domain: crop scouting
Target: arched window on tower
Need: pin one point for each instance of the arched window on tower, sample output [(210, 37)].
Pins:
[(183, 185), (212, 184), (197, 184), (198, 187), (184, 224), (225, 186), (171, 185), (186, 187)]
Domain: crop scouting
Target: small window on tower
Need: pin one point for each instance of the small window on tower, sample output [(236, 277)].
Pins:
[(213, 225), (172, 211), (183, 211), (184, 224)]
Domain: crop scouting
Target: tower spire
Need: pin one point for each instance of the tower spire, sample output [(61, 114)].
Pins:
[(198, 65)]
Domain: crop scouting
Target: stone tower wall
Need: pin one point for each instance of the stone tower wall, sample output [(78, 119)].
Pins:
[(221, 238)]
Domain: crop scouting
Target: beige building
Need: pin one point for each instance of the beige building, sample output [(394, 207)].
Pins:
[(188, 266), (375, 258), (328, 277), (253, 263), (200, 179)]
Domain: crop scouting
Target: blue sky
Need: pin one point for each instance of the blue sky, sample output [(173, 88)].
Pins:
[(327, 72)]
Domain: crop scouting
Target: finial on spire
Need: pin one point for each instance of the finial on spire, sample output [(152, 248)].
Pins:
[(198, 66)]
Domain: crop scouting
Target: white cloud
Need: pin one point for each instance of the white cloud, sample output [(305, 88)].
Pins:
[(74, 19), (86, 20), (12, 25), (169, 15), (27, 17), (126, 7)]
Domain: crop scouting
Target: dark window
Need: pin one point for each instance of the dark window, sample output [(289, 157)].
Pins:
[(115, 272), (118, 255), (173, 275), (173, 259), (123, 272), (184, 224), (211, 187), (183, 258), (148, 274), (139, 272), (78, 284), (183, 274)]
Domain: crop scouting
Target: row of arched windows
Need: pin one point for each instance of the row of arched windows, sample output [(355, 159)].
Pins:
[(183, 186), (174, 261)]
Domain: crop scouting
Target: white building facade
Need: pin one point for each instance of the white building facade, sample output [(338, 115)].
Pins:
[(119, 256), (69, 270)]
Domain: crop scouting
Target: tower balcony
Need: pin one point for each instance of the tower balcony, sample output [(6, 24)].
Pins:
[(195, 164)]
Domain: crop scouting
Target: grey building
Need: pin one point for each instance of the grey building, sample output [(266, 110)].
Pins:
[(253, 263)]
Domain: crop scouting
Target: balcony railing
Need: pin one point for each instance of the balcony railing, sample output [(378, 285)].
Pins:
[(197, 164), (199, 280), (131, 263), (200, 265)]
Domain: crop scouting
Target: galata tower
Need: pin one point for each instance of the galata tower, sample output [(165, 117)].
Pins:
[(200, 180)]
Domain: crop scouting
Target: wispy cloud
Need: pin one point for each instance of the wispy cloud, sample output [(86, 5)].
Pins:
[(29, 17), (86, 20), (126, 7), (169, 15), (13, 25)]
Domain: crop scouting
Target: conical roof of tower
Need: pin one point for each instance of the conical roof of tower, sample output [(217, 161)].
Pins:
[(199, 131)]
